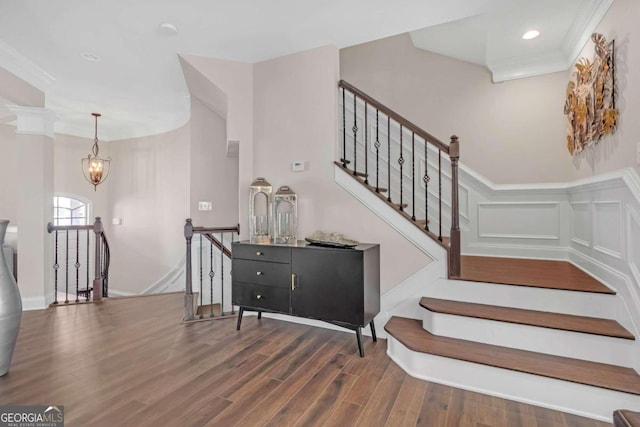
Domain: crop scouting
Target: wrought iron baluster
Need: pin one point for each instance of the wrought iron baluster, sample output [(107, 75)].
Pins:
[(55, 272), (355, 135), (221, 273), (377, 145), (366, 145), (413, 176), (211, 274), (389, 158), (66, 268), (344, 131), (401, 162), (201, 287), (440, 194), (233, 239), (426, 180), (77, 263)]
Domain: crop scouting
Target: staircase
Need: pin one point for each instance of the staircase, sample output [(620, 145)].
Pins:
[(537, 331)]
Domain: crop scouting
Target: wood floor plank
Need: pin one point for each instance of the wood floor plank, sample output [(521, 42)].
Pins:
[(250, 400), (362, 390), (294, 383), (383, 398), (299, 403), (544, 319), (327, 401), (406, 409), (435, 406), (345, 415), (132, 362), (410, 333), (529, 272)]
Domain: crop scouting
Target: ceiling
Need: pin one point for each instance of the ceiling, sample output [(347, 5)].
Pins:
[(493, 38), (137, 83)]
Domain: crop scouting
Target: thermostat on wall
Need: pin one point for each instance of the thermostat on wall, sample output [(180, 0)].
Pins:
[(297, 166)]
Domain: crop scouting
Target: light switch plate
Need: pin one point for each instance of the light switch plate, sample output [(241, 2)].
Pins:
[(297, 166), (205, 206)]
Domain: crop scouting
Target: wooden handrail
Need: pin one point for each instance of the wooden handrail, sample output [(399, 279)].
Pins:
[(395, 116), (233, 229), (51, 228), (210, 237)]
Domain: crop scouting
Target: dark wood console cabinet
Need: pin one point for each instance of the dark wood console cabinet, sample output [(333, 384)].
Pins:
[(335, 285)]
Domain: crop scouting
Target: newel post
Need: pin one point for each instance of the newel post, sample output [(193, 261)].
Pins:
[(97, 262), (454, 249), (188, 290)]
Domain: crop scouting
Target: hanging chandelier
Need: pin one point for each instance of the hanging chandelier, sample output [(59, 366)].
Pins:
[(94, 168)]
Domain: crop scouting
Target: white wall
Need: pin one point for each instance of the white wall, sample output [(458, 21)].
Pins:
[(230, 83), (295, 102), (618, 151), (214, 175), (149, 190), (8, 172)]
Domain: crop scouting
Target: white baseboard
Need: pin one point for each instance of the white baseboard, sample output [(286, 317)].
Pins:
[(120, 293), (33, 303)]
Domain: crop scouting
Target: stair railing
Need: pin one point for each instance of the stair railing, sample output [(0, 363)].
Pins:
[(210, 244), (92, 289), (396, 187)]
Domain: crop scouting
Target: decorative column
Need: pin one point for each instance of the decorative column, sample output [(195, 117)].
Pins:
[(34, 185)]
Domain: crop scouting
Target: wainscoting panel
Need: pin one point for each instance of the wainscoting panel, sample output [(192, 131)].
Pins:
[(581, 223), (608, 226), (519, 220), (633, 224)]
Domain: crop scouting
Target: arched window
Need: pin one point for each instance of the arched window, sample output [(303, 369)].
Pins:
[(70, 211)]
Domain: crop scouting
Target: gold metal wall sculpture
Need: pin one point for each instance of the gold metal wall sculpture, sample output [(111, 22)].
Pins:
[(591, 105)]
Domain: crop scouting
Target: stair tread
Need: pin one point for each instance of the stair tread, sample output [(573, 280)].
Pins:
[(380, 189), (529, 272), (567, 322), (411, 334)]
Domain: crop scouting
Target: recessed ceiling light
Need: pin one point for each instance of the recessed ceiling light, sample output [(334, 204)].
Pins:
[(168, 29), (91, 57), (531, 34)]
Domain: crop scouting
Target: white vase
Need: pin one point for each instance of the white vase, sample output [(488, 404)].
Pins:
[(10, 308)]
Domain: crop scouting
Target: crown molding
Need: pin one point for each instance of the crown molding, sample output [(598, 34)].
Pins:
[(24, 68), (577, 37)]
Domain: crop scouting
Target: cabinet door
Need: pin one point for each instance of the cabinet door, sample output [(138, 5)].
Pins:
[(328, 284)]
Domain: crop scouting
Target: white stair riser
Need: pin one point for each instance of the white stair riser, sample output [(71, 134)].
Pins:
[(583, 400), (525, 297), (576, 345)]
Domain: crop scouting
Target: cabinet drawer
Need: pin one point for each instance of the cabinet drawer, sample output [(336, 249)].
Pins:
[(261, 273), (257, 296), (261, 252)]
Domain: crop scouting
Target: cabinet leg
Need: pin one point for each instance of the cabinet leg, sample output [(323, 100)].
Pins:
[(240, 311), (373, 331), (359, 337), (259, 315)]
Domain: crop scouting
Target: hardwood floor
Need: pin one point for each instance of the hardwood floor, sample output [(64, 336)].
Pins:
[(529, 272), (129, 362)]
